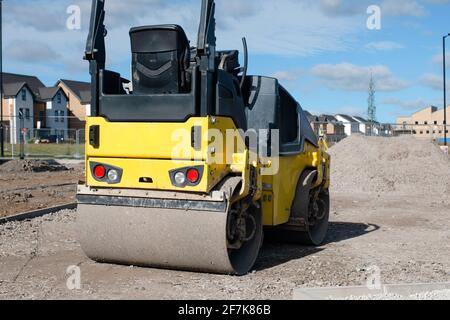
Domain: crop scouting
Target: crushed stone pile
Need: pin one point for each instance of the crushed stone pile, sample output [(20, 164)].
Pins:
[(19, 166), (402, 165)]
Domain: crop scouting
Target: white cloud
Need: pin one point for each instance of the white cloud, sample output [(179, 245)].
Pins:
[(30, 51), (433, 81), (403, 8), (352, 111), (350, 77), (384, 45), (414, 8), (408, 104), (344, 7), (437, 59), (284, 27), (288, 75)]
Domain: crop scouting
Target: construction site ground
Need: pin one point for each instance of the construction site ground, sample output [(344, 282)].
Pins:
[(392, 227), (29, 185)]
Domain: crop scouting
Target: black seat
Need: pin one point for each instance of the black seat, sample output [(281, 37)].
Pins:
[(161, 58)]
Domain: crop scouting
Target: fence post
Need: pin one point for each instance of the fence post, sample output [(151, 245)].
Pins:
[(77, 143), (21, 135)]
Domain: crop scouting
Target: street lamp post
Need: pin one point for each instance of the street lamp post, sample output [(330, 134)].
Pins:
[(445, 89)]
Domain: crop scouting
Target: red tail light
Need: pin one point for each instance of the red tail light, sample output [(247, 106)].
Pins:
[(192, 175), (99, 172)]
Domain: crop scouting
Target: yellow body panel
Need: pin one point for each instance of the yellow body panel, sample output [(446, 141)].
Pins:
[(144, 140), (153, 149), (149, 150), (284, 184)]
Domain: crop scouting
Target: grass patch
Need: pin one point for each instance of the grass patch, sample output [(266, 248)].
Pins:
[(52, 150)]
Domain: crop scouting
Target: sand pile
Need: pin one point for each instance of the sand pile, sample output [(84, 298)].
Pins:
[(403, 165), (19, 166)]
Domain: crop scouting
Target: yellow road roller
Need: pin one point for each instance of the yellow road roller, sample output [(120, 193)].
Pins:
[(192, 160)]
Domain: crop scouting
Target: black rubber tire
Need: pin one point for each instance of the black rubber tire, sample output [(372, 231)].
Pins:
[(313, 235), (316, 234), (243, 259)]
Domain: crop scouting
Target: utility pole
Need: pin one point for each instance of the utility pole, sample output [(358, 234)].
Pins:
[(371, 107), (2, 140), (445, 89)]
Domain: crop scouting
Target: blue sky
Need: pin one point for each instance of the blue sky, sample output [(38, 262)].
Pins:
[(321, 50)]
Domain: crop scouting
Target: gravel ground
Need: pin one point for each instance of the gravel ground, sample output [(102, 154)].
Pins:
[(27, 185), (432, 295), (407, 238), (390, 210)]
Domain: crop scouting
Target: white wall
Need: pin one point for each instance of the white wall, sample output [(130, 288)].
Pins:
[(88, 110), (362, 128), (28, 122), (350, 127)]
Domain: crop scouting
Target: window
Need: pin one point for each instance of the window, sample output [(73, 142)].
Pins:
[(24, 95), (62, 115), (435, 122), (428, 131), (58, 97), (425, 123), (421, 132), (56, 116), (417, 122), (288, 118), (27, 114), (20, 113)]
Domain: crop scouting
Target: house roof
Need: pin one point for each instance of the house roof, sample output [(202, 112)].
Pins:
[(346, 118), (12, 89), (48, 94), (12, 80), (310, 116), (360, 119), (82, 90), (327, 118)]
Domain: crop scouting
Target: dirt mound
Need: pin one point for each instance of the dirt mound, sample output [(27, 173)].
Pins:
[(19, 166), (403, 165)]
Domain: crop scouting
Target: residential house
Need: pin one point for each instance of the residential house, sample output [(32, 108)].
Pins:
[(364, 126), (79, 106), (386, 130), (332, 127), (18, 109), (313, 121), (351, 126), (55, 112), (34, 85)]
